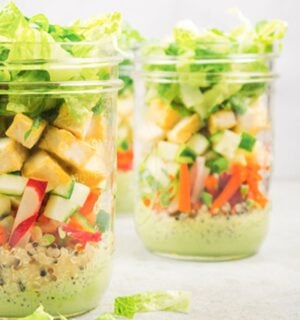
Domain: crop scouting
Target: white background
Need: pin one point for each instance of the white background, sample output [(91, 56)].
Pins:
[(156, 17)]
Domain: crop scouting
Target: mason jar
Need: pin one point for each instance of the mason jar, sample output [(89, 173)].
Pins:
[(125, 116), (204, 154), (57, 179)]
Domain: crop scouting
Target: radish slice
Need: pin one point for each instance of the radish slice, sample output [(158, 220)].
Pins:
[(28, 210), (198, 174)]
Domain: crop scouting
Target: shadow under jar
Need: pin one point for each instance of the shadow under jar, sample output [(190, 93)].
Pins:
[(57, 172), (203, 153)]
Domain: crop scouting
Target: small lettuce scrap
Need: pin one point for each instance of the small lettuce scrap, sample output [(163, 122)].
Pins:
[(173, 301), (41, 314)]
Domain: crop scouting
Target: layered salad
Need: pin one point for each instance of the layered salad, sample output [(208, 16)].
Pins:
[(56, 163), (204, 142), (129, 41)]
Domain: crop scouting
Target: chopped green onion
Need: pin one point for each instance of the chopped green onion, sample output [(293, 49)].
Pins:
[(247, 142)]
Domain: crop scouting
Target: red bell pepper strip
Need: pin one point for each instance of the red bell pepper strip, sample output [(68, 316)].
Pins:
[(80, 236)]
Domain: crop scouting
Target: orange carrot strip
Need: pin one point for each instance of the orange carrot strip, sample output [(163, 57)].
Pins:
[(238, 176), (184, 203)]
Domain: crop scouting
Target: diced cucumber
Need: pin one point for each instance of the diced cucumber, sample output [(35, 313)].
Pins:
[(12, 185), (206, 198), (198, 143), (65, 190), (60, 209), (218, 165), (80, 193), (247, 142), (155, 166), (185, 155), (83, 222), (167, 150), (227, 144), (5, 206)]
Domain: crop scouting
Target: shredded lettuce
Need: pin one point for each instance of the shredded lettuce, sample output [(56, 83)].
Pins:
[(41, 314), (174, 301)]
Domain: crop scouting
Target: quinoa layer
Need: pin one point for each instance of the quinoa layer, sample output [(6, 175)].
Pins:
[(65, 282)]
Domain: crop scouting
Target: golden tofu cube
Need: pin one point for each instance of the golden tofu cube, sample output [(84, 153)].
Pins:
[(79, 127), (24, 130), (163, 114), (221, 120), (184, 129), (12, 155), (93, 172), (41, 166), (67, 147), (97, 129)]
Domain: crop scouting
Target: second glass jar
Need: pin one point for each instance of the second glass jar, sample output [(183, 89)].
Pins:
[(203, 155)]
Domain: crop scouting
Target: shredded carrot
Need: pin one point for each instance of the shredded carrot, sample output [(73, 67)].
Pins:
[(239, 175), (90, 202), (184, 203), (146, 202), (211, 183)]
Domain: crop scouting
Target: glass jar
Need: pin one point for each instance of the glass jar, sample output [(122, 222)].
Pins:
[(57, 179), (125, 111), (203, 153)]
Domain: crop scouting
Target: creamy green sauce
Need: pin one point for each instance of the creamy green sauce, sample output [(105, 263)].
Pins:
[(204, 237), (69, 294)]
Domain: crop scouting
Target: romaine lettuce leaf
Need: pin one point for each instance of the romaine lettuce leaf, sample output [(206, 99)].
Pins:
[(174, 301), (41, 314)]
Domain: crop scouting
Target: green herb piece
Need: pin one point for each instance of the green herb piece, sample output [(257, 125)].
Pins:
[(35, 124)]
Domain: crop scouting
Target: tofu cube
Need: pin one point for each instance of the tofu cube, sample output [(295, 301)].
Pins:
[(163, 114), (42, 166), (97, 129), (184, 129), (12, 155), (67, 147), (93, 173), (24, 130), (79, 127)]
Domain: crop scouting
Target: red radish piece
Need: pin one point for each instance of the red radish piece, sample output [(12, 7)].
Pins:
[(28, 210), (198, 174)]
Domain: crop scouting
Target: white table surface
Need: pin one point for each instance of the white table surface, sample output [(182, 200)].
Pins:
[(266, 286)]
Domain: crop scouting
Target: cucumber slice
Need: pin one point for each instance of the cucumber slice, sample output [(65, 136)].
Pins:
[(167, 150), (83, 222), (5, 206), (186, 155), (227, 144), (12, 185), (79, 194), (60, 209), (198, 143), (65, 190)]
